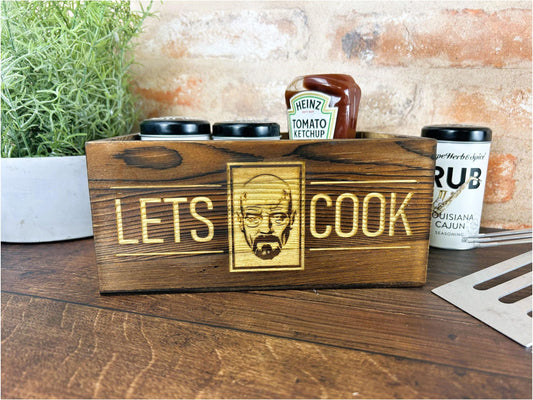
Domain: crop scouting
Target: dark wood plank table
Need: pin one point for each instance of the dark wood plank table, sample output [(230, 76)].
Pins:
[(62, 339)]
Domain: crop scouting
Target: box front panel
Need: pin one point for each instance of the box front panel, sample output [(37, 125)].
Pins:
[(238, 215)]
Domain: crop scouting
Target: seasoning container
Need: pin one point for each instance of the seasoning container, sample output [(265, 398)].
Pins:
[(322, 107), (246, 130), (175, 128), (460, 177)]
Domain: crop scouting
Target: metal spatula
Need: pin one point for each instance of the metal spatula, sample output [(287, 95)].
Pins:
[(488, 296)]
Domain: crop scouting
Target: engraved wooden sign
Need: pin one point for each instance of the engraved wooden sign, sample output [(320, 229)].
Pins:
[(235, 215)]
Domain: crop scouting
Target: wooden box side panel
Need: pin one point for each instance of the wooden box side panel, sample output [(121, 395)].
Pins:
[(171, 216)]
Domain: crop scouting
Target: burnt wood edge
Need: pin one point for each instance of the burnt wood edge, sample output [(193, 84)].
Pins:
[(303, 150), (359, 136), (391, 285)]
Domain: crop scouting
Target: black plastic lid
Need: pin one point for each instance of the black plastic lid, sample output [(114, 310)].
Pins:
[(245, 129), (458, 133), (175, 126)]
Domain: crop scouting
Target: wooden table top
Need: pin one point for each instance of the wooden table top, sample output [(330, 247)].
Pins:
[(61, 338)]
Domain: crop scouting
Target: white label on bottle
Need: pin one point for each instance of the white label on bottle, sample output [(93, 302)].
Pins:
[(310, 116), (460, 177)]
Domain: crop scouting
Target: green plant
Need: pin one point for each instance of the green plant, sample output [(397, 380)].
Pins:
[(66, 74)]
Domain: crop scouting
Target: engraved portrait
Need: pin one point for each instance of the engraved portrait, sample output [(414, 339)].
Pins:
[(265, 216)]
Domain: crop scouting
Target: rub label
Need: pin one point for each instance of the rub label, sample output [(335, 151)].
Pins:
[(460, 177)]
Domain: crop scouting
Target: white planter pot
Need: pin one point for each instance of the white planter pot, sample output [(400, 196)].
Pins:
[(45, 199)]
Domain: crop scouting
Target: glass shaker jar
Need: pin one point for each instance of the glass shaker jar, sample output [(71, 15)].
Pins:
[(246, 130), (460, 177), (175, 128)]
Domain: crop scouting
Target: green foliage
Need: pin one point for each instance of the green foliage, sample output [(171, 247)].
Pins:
[(65, 74)]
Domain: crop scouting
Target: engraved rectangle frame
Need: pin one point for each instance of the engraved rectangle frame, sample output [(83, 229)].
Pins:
[(241, 256)]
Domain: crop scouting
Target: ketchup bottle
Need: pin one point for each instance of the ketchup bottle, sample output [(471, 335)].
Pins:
[(322, 107)]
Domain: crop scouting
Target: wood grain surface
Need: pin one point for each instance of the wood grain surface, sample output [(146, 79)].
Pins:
[(62, 339), (357, 213)]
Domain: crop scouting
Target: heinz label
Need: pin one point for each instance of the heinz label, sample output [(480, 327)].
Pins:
[(310, 116)]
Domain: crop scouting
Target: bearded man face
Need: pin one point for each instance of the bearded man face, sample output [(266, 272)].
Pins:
[(266, 215)]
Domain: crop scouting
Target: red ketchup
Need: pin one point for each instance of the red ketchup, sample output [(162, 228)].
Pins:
[(322, 107)]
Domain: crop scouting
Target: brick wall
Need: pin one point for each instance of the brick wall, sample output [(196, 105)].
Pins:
[(417, 63)]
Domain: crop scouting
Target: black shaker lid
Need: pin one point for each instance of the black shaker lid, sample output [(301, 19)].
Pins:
[(246, 129), (175, 126), (458, 133)]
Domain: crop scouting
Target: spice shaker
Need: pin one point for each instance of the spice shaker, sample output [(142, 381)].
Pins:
[(322, 107), (246, 130), (460, 176), (175, 128)]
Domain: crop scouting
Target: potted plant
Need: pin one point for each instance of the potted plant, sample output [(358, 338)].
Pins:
[(64, 80)]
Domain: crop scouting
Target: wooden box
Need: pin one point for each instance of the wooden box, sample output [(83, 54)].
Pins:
[(235, 215)]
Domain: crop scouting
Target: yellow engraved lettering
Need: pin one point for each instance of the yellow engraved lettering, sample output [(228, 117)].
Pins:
[(145, 221), (120, 229), (176, 215), (383, 202), (312, 217), (399, 213), (338, 206), (210, 227)]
